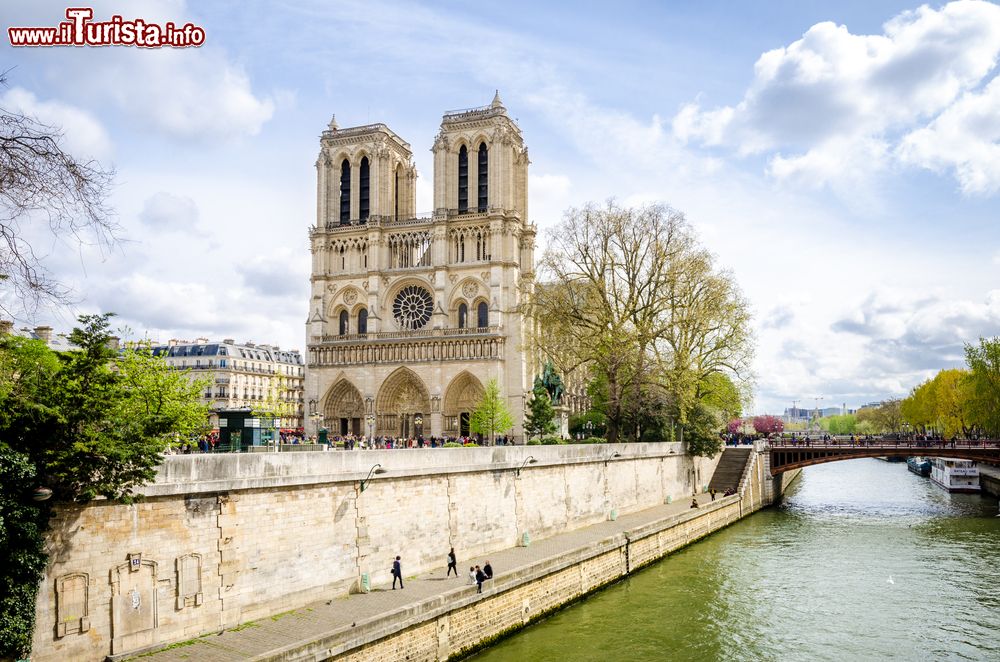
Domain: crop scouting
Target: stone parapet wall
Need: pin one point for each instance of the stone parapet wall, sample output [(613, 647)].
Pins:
[(444, 629), (223, 539)]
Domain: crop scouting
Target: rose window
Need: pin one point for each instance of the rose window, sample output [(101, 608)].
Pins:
[(412, 307)]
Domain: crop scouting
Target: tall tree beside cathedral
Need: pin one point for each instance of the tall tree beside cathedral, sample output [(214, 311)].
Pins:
[(491, 415), (643, 306), (540, 417)]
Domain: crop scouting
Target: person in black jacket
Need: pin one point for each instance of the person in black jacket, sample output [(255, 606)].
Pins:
[(452, 563), (480, 578), (488, 570), (397, 573)]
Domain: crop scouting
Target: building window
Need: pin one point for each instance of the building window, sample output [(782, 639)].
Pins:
[(463, 180), (363, 192), (395, 195), (484, 160), (482, 315), (363, 321), (345, 192), (343, 322), (463, 315)]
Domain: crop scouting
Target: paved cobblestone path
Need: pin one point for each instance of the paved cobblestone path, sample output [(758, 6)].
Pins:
[(267, 637)]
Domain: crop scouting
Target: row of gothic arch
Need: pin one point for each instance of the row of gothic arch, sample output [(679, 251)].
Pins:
[(402, 400)]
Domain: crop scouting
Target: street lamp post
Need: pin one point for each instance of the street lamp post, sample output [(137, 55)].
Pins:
[(418, 424), (589, 427), (371, 424)]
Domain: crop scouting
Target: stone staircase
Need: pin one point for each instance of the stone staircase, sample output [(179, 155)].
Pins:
[(730, 469)]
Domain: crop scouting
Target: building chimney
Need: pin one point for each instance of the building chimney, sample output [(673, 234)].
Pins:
[(114, 342), (6, 326), (44, 333)]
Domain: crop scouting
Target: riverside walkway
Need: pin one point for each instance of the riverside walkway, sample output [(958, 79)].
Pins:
[(278, 637)]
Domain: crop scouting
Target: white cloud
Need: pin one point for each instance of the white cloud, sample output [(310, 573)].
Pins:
[(834, 102), (965, 138), (166, 212), (83, 134), (190, 93)]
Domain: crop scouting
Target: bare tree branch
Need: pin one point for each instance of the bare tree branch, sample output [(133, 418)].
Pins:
[(40, 182)]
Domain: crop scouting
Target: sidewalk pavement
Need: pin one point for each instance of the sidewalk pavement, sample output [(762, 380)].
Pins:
[(269, 635)]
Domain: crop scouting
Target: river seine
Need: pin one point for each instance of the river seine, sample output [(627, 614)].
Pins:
[(862, 561)]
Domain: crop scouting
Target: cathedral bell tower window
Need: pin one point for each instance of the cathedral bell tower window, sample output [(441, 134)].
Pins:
[(463, 315), (364, 189), (345, 192), (463, 180), (484, 164), (343, 323), (483, 315)]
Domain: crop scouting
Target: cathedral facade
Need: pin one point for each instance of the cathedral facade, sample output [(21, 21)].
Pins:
[(411, 315)]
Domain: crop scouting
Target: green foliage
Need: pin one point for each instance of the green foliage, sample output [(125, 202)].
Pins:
[(551, 441), (984, 384), (701, 431), (93, 422), (840, 424), (22, 552), (540, 415), (593, 440), (578, 423), (491, 415), (452, 444), (533, 442)]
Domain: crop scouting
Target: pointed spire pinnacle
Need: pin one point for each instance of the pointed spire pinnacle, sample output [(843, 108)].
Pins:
[(496, 101), (333, 123)]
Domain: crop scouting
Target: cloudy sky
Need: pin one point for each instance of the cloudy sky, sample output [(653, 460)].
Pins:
[(842, 159)]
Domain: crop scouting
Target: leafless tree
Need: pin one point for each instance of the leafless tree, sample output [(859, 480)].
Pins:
[(42, 183)]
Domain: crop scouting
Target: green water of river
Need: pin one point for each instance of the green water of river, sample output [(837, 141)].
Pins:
[(862, 561)]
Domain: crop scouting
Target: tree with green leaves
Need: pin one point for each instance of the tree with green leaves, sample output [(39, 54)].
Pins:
[(984, 384), (628, 294), (84, 423), (539, 419), (491, 414)]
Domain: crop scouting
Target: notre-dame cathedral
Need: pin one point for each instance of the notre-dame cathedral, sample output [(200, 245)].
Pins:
[(410, 314)]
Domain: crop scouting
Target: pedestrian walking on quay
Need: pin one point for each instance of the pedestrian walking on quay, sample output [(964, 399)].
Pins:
[(397, 573), (712, 492), (452, 563), (480, 578)]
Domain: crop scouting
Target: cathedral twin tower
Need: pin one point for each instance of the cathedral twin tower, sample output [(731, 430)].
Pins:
[(410, 314)]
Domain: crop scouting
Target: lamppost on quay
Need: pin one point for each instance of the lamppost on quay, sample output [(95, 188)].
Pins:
[(418, 424), (589, 427), (371, 425)]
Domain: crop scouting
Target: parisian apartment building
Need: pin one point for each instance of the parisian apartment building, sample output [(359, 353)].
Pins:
[(242, 376)]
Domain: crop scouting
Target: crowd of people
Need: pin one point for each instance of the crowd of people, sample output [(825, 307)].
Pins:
[(352, 442)]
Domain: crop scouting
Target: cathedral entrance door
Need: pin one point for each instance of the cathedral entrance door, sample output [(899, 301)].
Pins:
[(343, 427), (356, 427), (463, 424)]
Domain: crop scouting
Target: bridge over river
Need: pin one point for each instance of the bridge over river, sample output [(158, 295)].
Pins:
[(787, 454)]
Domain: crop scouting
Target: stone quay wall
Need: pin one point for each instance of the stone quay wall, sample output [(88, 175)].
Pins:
[(439, 630), (219, 540)]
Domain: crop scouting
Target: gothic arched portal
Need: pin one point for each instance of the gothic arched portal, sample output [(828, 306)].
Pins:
[(460, 400), (402, 401), (344, 409)]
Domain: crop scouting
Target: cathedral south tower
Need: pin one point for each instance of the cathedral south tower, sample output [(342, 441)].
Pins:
[(411, 315)]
